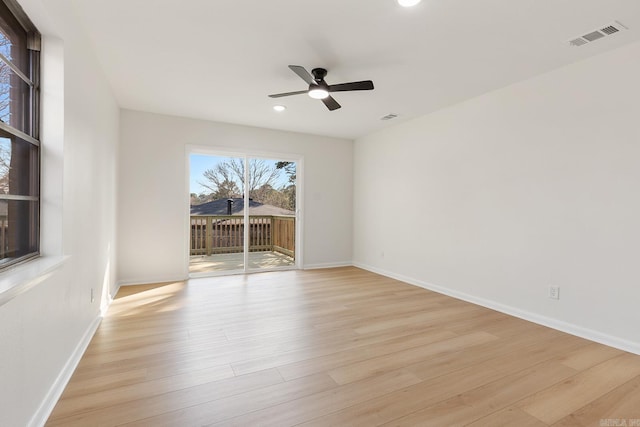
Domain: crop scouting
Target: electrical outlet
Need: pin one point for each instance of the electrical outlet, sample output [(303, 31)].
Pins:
[(554, 292), (92, 299)]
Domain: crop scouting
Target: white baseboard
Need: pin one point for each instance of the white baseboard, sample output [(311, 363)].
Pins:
[(58, 386), (150, 280), (589, 334), (327, 265)]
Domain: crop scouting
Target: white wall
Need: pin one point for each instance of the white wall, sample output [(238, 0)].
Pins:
[(497, 198), (43, 330), (152, 192)]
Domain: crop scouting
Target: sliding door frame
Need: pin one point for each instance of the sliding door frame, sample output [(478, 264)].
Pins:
[(246, 156)]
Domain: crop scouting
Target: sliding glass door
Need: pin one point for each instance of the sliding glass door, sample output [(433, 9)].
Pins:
[(242, 214)]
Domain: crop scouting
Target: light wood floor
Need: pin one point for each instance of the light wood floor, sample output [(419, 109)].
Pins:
[(332, 348)]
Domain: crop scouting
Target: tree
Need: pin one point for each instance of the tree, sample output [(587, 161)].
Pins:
[(226, 190), (289, 192), (289, 169), (7, 78), (226, 179), (5, 161)]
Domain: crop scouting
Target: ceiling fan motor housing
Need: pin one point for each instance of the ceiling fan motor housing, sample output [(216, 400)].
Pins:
[(319, 74)]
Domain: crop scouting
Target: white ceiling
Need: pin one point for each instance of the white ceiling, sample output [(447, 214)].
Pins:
[(219, 59)]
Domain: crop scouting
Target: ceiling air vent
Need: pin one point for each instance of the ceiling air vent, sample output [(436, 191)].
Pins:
[(605, 31), (389, 116), (610, 30)]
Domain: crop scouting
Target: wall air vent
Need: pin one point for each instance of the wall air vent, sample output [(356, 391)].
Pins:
[(592, 36)]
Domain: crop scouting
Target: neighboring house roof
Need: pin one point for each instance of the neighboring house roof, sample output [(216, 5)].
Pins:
[(219, 207)]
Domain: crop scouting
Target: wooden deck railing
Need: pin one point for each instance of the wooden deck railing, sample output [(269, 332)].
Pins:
[(223, 234)]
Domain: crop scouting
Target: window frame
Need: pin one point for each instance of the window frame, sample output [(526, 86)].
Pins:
[(14, 20)]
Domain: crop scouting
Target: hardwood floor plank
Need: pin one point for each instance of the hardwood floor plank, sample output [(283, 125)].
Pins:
[(376, 365), (208, 355), (621, 403), (318, 404), (241, 404), (421, 317), (111, 396), (508, 417), (589, 356), (450, 382), (523, 346), (138, 407), (300, 364), (97, 383), (482, 401), (564, 398)]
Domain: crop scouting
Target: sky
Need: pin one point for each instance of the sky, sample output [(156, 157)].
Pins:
[(198, 163)]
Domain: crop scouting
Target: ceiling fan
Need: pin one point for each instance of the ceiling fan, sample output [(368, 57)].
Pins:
[(319, 89)]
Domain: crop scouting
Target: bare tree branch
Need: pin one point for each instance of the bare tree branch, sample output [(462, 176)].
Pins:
[(228, 176)]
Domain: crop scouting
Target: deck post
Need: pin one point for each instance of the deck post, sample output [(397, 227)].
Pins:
[(208, 241)]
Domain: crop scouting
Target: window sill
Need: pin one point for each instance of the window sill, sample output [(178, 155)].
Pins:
[(20, 279)]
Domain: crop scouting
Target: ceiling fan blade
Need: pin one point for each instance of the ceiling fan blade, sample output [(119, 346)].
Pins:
[(280, 95), (343, 87), (304, 74), (331, 103)]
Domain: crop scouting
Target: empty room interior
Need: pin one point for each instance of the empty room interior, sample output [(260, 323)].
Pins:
[(363, 213)]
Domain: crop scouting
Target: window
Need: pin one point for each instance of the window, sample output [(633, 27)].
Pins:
[(19, 136)]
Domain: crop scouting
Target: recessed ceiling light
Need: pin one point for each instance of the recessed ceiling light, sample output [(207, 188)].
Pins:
[(279, 108), (408, 3)]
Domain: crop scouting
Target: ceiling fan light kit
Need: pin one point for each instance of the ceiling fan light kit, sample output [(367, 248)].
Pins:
[(319, 89), (318, 93)]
